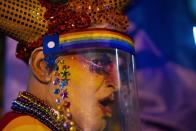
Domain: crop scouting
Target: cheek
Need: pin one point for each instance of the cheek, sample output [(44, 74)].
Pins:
[(84, 107), (82, 78)]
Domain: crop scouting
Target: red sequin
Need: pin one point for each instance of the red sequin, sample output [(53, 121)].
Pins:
[(76, 15), (63, 19)]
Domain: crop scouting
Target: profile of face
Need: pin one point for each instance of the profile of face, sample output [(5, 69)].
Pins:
[(92, 83)]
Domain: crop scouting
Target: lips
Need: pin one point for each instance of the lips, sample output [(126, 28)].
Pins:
[(106, 105)]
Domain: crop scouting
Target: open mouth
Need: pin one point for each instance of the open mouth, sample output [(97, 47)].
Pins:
[(106, 105)]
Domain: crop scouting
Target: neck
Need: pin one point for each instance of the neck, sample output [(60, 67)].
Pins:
[(36, 88)]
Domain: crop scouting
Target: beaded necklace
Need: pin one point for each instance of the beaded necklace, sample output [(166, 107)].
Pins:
[(29, 104)]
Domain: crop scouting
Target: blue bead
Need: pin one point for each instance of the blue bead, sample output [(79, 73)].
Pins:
[(66, 125), (56, 91)]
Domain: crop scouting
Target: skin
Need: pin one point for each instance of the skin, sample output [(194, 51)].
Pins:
[(85, 87)]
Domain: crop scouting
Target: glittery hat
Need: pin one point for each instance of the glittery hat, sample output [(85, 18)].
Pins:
[(28, 21)]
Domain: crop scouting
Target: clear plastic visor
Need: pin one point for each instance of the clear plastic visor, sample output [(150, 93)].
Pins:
[(100, 89)]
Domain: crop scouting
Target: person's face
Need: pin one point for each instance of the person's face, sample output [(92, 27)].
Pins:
[(91, 86)]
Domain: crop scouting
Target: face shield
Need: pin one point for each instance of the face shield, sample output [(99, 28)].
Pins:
[(98, 86)]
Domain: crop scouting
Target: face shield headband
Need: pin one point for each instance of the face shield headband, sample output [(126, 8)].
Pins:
[(92, 38)]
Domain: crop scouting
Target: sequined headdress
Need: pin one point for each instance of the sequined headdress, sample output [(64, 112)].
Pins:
[(28, 21)]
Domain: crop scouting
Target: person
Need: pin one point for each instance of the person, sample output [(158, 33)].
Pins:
[(79, 80), (81, 85)]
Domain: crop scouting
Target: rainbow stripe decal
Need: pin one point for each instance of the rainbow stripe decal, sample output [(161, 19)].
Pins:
[(95, 38)]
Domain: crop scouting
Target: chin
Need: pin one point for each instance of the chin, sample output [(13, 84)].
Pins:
[(90, 119), (94, 125)]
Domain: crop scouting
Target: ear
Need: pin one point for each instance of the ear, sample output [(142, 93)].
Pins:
[(38, 66)]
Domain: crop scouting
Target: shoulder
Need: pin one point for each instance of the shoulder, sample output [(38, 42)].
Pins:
[(19, 122)]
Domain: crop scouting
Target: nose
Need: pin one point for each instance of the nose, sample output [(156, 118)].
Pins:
[(112, 85), (112, 82)]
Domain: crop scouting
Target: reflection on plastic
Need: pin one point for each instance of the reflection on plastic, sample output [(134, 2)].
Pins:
[(194, 33)]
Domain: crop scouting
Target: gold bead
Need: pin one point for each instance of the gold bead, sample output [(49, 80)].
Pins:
[(68, 110), (72, 129), (58, 117), (59, 107), (72, 123)]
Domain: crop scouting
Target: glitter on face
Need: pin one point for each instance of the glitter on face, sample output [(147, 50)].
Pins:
[(56, 91), (58, 101), (64, 95), (63, 84), (56, 81)]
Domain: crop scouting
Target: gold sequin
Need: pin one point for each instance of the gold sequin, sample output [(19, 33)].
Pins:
[(23, 21)]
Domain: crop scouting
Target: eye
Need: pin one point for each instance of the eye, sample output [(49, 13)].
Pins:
[(97, 67), (100, 65)]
